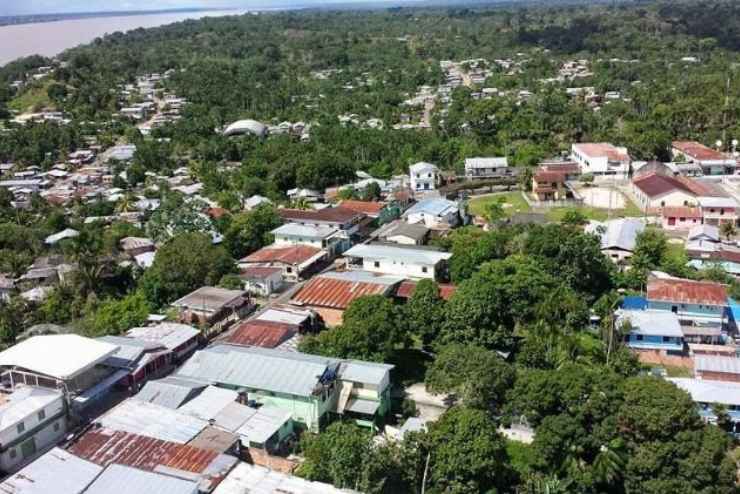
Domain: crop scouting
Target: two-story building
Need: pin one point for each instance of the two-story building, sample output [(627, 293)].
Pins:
[(213, 307), (32, 420), (312, 388), (697, 303), (718, 210), (602, 159), (712, 162), (424, 177), (487, 168), (652, 330), (549, 186), (296, 261), (397, 260), (329, 239)]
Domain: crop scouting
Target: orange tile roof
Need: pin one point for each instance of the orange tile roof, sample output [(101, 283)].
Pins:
[(371, 208), (687, 291), (699, 151)]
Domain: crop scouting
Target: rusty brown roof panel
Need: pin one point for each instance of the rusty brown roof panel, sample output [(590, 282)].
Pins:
[(265, 334)]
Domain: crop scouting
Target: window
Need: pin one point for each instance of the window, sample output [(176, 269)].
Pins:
[(288, 269), (424, 269), (42, 415), (21, 427), (638, 337), (12, 453), (376, 264), (666, 339)]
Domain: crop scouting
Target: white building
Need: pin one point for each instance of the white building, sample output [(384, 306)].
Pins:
[(424, 177), (481, 168), (602, 159), (322, 237), (32, 419), (398, 261), (434, 213)]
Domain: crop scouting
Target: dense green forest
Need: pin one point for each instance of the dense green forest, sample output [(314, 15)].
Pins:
[(524, 292)]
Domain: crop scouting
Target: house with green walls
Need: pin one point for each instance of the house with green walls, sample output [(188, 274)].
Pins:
[(314, 389)]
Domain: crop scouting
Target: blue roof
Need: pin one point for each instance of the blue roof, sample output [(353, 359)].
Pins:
[(634, 302)]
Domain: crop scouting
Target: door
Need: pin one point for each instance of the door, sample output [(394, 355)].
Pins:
[(28, 448)]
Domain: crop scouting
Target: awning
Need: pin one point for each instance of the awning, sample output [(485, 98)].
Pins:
[(364, 407), (91, 394)]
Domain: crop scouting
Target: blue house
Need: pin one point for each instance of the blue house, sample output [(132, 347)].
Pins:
[(708, 393), (696, 303), (652, 330)]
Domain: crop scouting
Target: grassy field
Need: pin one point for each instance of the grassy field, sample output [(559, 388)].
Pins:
[(517, 204), (33, 99)]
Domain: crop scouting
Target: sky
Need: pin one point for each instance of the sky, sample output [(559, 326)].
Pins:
[(21, 7)]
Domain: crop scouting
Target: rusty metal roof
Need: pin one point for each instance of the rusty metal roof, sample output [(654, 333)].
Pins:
[(337, 291), (406, 290), (106, 446), (329, 215), (687, 291), (267, 334)]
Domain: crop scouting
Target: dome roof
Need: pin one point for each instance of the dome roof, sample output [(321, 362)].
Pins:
[(241, 127)]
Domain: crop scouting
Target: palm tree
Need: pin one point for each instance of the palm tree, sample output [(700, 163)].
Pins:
[(126, 204), (609, 462)]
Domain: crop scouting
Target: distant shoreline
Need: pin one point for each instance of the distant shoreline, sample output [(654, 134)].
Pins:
[(16, 20)]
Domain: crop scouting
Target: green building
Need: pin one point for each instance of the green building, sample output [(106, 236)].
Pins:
[(312, 388)]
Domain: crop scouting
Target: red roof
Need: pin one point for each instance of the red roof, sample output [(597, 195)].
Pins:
[(265, 334), (332, 215), (687, 291), (699, 151), (681, 212), (566, 167), (105, 446), (406, 290), (370, 208), (600, 149), (292, 254), (216, 213), (335, 293), (654, 184)]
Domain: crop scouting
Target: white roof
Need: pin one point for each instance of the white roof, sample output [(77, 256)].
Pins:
[(260, 480), (255, 201), (117, 479), (209, 403), (705, 230), (262, 423), (145, 260), (652, 322), (713, 363), (422, 167), (169, 334), (486, 162), (148, 419), (620, 234), (404, 255), (57, 471), (716, 202), (305, 231), (246, 126), (701, 391), (23, 402), (64, 234), (61, 356)]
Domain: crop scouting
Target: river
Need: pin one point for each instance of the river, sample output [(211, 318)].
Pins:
[(51, 38)]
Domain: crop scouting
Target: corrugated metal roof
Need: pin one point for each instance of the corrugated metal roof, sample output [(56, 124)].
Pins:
[(701, 391), (408, 287), (253, 479), (432, 206), (233, 416), (327, 215), (209, 403), (57, 472), (262, 424), (169, 334), (687, 291), (259, 368), (210, 298), (170, 392), (290, 315), (129, 350), (292, 254), (618, 234), (140, 417), (304, 231), (105, 447), (215, 439), (116, 479), (711, 363), (652, 322), (338, 290), (365, 407), (266, 334), (364, 372), (498, 162)]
